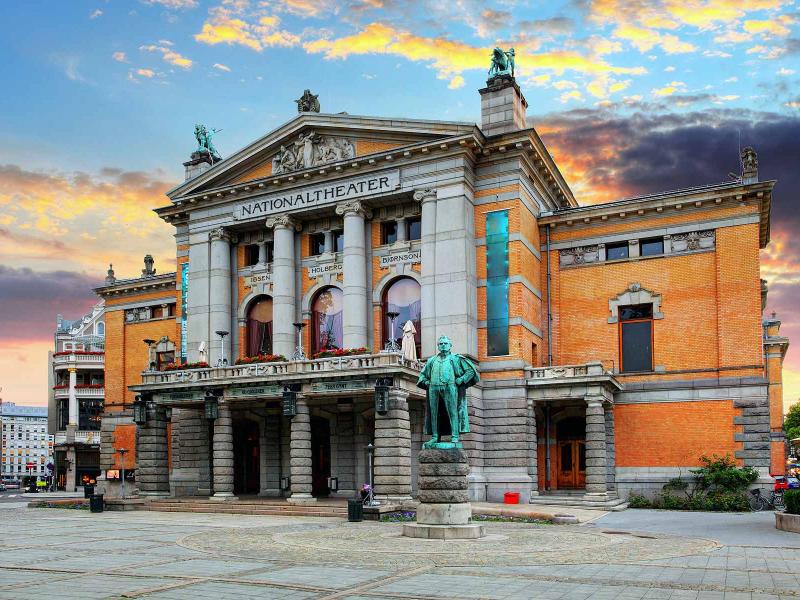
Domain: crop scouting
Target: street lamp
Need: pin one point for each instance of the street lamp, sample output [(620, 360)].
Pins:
[(391, 345), (151, 364), (299, 353), (222, 362), (140, 410), (382, 385), (211, 406), (122, 452), (370, 499)]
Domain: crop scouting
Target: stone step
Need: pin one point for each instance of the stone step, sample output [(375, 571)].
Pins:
[(612, 504), (220, 509)]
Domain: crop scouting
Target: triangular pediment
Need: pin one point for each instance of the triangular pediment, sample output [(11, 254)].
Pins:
[(313, 140)]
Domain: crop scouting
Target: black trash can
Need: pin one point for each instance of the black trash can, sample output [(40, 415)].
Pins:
[(88, 490), (355, 511), (96, 503)]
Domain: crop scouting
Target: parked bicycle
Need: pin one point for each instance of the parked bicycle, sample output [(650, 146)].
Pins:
[(759, 502)]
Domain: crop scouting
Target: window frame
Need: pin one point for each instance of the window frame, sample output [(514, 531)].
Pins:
[(410, 222), (398, 331), (316, 241), (620, 245), (651, 240), (620, 337), (251, 252)]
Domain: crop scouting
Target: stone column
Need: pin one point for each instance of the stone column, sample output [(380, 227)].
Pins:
[(219, 310), (300, 455), (427, 293), (223, 454), (328, 242), (533, 448), (71, 483), (611, 452), (402, 229), (152, 455), (354, 292), (596, 486), (393, 450), (283, 286), (73, 399), (262, 254)]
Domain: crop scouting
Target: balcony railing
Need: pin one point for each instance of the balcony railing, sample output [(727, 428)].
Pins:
[(81, 392), (593, 369), (76, 359), (318, 366)]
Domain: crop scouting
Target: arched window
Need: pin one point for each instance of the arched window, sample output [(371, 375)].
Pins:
[(402, 296), (326, 319), (259, 326)]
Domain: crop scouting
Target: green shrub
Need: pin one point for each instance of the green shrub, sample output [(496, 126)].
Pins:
[(638, 501), (721, 474), (727, 502), (792, 500)]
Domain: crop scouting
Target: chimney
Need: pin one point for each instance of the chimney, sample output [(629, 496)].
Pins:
[(199, 162), (502, 106)]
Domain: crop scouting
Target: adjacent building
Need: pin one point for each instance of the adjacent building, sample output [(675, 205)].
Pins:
[(26, 448), (617, 343), (77, 390)]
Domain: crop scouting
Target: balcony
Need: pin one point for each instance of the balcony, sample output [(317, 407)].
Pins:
[(81, 392), (362, 364), (592, 369), (77, 360), (564, 381)]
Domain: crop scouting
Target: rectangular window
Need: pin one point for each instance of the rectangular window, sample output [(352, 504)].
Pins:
[(497, 283), (338, 240), (89, 410), (164, 358), (636, 338), (388, 232), (317, 244), (616, 250), (250, 255), (415, 228), (651, 247), (270, 251)]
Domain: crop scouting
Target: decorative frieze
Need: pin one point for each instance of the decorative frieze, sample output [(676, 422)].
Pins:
[(579, 255), (693, 240), (311, 150)]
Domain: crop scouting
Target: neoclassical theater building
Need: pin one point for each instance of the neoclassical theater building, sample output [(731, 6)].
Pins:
[(617, 343)]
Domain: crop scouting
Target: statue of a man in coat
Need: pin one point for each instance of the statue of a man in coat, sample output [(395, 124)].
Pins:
[(446, 377)]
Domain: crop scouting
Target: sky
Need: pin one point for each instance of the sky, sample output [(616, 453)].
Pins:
[(100, 99)]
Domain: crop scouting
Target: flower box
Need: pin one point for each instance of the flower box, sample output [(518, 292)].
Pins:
[(338, 352), (180, 367), (261, 358)]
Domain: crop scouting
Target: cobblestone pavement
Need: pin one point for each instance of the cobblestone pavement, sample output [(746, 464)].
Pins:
[(61, 553)]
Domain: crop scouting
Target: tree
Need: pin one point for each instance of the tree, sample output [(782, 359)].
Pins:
[(791, 422)]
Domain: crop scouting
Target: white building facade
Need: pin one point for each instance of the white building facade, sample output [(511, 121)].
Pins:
[(26, 446)]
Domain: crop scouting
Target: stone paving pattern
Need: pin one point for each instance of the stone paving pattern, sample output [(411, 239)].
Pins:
[(61, 553)]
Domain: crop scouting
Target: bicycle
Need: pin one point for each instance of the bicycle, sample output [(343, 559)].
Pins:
[(759, 502)]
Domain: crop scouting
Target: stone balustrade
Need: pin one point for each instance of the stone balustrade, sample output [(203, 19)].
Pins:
[(317, 366), (591, 369), (79, 359), (83, 392)]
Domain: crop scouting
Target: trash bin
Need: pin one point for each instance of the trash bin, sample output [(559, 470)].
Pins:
[(511, 498), (355, 511), (96, 503), (88, 490)]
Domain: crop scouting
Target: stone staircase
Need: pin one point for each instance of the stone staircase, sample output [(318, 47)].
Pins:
[(247, 506), (575, 498)]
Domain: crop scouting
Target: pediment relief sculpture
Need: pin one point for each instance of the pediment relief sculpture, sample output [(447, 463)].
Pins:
[(310, 150)]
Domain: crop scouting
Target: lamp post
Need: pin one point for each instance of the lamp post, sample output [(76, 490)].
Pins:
[(391, 345), (67, 465), (151, 364), (222, 362), (122, 452), (299, 353), (370, 499), (211, 410)]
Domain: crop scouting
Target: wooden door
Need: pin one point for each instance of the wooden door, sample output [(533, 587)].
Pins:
[(572, 464)]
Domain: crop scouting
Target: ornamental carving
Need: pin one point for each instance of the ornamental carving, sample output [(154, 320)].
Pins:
[(579, 255), (220, 233), (284, 221), (693, 240), (425, 195), (353, 207), (311, 150)]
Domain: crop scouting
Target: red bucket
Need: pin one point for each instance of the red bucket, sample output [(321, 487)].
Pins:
[(511, 498)]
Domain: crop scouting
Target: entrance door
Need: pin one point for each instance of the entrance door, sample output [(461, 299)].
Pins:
[(571, 464), (246, 457), (571, 457), (320, 456)]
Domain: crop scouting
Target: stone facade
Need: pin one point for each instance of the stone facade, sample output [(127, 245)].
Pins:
[(319, 244)]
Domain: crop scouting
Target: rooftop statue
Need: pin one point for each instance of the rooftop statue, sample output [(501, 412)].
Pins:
[(204, 143), (308, 102), (502, 63), (446, 377)]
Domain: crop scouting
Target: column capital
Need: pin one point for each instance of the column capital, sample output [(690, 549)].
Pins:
[(282, 222), (353, 207), (220, 233), (72, 370), (594, 401), (425, 195)]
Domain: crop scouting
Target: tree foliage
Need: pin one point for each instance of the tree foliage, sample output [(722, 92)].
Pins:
[(791, 421)]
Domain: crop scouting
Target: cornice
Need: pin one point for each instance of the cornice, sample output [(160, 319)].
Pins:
[(121, 287)]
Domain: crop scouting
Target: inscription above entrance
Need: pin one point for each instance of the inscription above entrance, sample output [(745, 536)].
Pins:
[(320, 195)]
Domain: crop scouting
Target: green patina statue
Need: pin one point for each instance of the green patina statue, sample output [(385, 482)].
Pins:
[(204, 143), (446, 377), (502, 63)]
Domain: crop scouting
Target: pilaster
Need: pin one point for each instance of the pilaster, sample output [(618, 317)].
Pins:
[(393, 450), (428, 289), (596, 475), (223, 454), (152, 453), (300, 454)]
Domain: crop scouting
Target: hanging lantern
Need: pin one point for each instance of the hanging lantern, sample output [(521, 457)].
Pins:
[(382, 386), (140, 410), (289, 404), (211, 406)]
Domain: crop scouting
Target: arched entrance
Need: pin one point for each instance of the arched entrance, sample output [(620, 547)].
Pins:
[(571, 454), (246, 457), (320, 455), (326, 320)]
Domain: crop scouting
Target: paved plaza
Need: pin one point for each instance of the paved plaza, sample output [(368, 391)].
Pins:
[(62, 553)]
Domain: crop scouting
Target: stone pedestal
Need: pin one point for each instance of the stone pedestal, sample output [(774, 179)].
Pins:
[(444, 512)]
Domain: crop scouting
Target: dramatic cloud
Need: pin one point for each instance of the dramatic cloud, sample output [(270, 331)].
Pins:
[(169, 55), (230, 25)]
